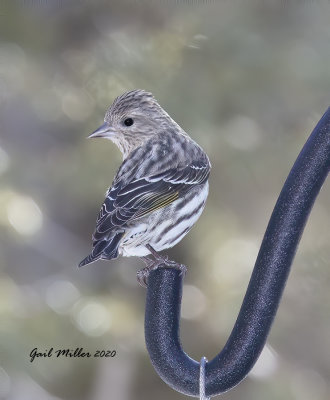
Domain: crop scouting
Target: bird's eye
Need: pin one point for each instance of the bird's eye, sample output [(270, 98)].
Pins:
[(128, 121)]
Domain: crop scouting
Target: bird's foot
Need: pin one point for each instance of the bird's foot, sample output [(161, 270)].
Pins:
[(142, 275), (159, 262)]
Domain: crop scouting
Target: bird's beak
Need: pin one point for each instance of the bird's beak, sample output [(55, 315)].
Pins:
[(105, 131)]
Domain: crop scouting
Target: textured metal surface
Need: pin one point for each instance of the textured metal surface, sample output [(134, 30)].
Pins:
[(264, 292)]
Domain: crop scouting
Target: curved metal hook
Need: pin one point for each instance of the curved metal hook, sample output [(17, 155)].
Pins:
[(264, 291)]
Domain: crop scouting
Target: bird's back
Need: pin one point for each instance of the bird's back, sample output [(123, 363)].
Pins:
[(157, 195)]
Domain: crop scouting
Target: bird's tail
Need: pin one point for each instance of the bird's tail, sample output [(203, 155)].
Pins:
[(105, 249), (88, 260)]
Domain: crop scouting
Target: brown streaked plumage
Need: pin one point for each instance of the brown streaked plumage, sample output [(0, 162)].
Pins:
[(161, 187)]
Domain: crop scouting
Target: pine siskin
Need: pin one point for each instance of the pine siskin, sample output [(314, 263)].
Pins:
[(161, 187)]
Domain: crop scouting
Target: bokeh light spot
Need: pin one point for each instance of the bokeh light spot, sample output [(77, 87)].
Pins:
[(238, 255), (266, 364), (193, 302), (24, 215), (77, 105), (61, 295), (93, 318)]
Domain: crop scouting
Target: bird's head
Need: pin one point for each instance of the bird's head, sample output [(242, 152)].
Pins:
[(133, 118)]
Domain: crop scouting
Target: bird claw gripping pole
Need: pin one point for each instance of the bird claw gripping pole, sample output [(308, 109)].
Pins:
[(158, 261), (263, 294)]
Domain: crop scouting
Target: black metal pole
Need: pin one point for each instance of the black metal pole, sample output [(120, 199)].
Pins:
[(263, 294)]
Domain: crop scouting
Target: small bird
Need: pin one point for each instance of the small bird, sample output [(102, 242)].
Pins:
[(160, 189)]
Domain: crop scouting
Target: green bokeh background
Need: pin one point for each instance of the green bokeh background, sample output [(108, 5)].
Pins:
[(248, 81)]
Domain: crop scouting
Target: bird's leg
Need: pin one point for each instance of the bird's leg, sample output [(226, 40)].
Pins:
[(157, 256), (160, 259), (159, 262)]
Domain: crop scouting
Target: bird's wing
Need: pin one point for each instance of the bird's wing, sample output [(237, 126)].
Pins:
[(126, 203)]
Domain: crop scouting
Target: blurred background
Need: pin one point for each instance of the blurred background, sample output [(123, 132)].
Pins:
[(248, 81)]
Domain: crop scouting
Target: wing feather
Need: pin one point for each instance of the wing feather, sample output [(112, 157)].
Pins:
[(140, 197)]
